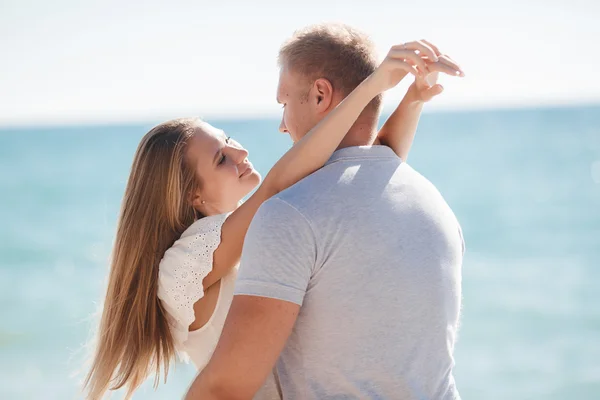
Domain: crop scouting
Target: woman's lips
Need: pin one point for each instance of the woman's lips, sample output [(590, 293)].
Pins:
[(246, 171)]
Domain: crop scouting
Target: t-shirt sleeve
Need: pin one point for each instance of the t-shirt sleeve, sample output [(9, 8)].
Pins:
[(279, 254)]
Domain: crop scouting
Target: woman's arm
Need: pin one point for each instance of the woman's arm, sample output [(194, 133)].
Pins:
[(305, 157), (399, 130)]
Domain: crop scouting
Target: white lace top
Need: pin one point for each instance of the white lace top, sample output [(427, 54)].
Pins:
[(180, 276)]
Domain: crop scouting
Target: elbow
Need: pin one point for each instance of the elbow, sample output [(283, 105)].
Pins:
[(220, 388)]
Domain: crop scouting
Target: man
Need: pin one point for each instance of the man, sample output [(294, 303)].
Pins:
[(349, 282)]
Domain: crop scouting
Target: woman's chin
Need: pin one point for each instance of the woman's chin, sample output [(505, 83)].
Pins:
[(255, 178), (252, 181)]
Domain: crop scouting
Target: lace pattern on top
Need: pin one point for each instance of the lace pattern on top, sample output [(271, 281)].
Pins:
[(182, 270)]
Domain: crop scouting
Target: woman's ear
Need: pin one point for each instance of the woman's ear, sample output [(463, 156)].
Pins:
[(195, 200)]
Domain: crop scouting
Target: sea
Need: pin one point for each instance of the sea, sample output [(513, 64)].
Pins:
[(524, 184)]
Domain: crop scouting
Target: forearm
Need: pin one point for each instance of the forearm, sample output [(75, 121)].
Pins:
[(399, 130), (254, 334), (202, 389), (316, 147)]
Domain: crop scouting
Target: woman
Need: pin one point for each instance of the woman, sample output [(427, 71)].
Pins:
[(182, 227)]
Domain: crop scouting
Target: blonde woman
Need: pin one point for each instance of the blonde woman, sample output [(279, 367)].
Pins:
[(182, 223)]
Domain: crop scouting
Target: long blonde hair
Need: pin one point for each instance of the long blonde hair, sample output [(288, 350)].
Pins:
[(133, 339)]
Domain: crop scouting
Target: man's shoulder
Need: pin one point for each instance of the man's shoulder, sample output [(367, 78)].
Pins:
[(275, 220), (277, 210), (303, 193)]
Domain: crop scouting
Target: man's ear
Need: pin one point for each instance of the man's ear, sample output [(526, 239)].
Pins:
[(323, 94)]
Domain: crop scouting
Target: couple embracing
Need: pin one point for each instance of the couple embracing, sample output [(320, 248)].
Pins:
[(339, 277)]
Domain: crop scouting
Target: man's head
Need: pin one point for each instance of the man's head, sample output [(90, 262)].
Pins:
[(320, 65)]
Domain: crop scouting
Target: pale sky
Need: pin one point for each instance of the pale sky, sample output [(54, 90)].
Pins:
[(68, 61)]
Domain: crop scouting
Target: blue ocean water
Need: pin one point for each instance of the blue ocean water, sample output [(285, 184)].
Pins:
[(525, 185)]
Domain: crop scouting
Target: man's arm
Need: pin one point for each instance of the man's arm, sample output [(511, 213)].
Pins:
[(256, 330), (278, 260)]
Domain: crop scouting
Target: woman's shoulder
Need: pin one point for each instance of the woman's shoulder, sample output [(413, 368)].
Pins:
[(210, 224), (182, 270), (196, 243)]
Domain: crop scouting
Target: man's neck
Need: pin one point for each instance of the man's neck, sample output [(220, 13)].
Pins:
[(362, 133)]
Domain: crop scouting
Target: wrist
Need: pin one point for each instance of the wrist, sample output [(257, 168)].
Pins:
[(412, 95), (371, 86)]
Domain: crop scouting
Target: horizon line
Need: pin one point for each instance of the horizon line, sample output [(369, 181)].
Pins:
[(237, 116)]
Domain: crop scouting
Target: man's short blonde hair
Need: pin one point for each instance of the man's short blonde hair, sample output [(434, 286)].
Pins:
[(337, 52)]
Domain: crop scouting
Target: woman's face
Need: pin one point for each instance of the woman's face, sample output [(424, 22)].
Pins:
[(221, 164)]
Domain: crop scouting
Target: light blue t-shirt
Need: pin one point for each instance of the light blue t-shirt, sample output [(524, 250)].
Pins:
[(371, 251)]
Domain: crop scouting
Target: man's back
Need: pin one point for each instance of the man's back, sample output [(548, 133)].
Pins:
[(373, 254)]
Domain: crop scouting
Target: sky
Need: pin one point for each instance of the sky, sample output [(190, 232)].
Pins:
[(71, 61)]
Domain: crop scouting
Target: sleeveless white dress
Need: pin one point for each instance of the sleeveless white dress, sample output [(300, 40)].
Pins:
[(180, 276)]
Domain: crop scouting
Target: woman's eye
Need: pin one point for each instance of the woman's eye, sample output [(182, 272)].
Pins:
[(222, 160)]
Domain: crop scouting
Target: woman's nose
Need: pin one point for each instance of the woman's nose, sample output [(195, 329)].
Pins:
[(240, 154)]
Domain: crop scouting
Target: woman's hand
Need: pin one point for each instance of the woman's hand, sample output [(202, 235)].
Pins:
[(425, 87), (420, 58), (399, 130)]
